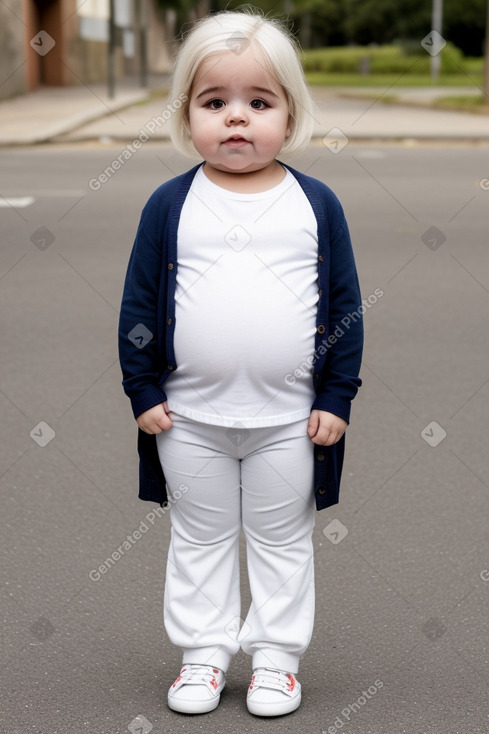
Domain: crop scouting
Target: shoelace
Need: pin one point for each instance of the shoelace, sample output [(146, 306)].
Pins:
[(271, 678), (197, 674)]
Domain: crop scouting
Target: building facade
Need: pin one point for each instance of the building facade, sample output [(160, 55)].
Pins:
[(66, 42)]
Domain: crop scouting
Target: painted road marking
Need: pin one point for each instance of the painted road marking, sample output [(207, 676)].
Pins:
[(18, 203), (44, 192), (15, 200)]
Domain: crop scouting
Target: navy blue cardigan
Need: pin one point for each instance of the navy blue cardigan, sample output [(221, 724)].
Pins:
[(147, 324)]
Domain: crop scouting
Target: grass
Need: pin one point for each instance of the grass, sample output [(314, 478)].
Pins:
[(478, 103), (318, 78), (390, 66)]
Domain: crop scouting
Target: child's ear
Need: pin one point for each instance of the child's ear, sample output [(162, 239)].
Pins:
[(289, 128)]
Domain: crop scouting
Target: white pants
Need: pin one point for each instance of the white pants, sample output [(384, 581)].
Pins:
[(259, 480)]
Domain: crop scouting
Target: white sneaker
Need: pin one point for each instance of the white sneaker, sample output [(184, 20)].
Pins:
[(197, 689), (273, 692)]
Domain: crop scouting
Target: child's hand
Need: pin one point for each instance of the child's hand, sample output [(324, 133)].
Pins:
[(325, 428), (156, 419)]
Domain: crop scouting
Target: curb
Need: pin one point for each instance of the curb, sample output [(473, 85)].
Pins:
[(69, 124), (419, 104), (317, 138)]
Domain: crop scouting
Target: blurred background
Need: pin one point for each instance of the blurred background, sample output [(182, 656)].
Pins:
[(401, 135), (341, 38)]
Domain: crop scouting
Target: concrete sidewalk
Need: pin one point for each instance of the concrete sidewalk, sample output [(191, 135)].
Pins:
[(41, 116), (74, 114)]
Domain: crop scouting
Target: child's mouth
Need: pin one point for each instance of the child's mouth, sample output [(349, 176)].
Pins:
[(236, 141)]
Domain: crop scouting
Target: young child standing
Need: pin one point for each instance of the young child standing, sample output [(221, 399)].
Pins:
[(238, 365)]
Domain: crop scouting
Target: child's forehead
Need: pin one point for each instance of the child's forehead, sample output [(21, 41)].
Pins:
[(224, 68)]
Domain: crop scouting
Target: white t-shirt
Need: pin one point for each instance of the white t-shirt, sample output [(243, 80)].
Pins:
[(246, 303)]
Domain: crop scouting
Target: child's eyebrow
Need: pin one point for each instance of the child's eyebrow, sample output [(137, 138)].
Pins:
[(209, 90), (262, 90), (265, 90)]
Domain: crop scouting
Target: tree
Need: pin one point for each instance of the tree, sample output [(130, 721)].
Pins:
[(319, 22), (465, 24), (362, 22), (384, 21)]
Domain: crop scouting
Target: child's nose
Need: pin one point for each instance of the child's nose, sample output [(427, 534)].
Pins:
[(236, 113)]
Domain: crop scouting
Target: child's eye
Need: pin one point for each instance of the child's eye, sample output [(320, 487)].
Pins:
[(215, 104), (258, 104)]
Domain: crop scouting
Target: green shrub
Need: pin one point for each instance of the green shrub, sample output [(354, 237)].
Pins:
[(400, 64), (400, 58), (452, 60)]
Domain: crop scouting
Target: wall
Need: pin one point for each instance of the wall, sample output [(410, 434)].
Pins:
[(12, 53)]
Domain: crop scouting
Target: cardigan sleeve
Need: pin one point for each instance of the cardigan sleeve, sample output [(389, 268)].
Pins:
[(343, 343), (138, 322)]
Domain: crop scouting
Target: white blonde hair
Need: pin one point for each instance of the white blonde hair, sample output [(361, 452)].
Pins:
[(226, 31)]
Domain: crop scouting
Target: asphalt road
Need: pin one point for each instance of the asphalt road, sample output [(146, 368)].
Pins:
[(401, 635)]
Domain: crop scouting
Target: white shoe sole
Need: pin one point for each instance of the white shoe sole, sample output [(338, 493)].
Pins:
[(193, 707), (273, 709)]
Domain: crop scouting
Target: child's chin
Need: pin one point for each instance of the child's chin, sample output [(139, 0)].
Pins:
[(241, 165)]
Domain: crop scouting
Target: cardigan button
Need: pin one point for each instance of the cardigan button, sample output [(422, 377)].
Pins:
[(170, 367), (320, 292), (169, 321), (170, 266), (321, 258), (321, 457), (321, 329), (322, 490), (316, 376)]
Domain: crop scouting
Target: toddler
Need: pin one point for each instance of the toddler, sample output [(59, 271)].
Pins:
[(238, 368)]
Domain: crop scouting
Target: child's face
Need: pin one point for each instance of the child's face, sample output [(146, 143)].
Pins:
[(239, 115)]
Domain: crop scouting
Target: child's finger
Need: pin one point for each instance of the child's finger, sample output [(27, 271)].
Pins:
[(165, 423), (312, 429), (313, 424), (322, 436)]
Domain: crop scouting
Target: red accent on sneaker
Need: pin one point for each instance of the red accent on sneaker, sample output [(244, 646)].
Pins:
[(179, 677), (291, 684), (252, 681), (215, 670)]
